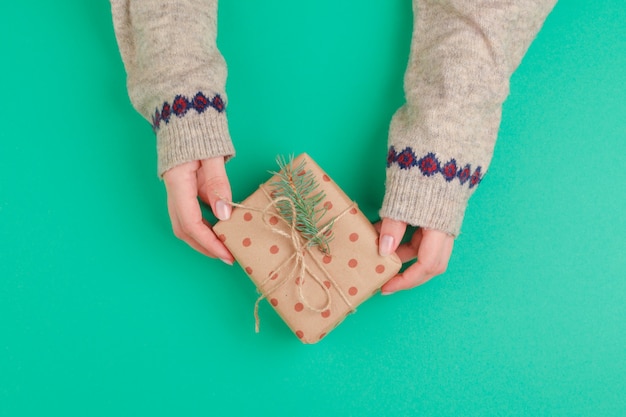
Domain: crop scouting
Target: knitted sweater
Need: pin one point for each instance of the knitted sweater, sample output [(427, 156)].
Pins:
[(440, 142)]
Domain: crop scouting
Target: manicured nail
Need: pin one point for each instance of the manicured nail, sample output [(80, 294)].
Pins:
[(386, 245), (226, 261), (222, 210)]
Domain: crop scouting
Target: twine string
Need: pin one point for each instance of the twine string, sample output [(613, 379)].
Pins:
[(299, 267)]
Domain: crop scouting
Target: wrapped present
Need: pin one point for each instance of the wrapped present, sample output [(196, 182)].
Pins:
[(307, 247)]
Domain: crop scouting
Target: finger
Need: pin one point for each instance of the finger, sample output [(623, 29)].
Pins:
[(187, 218), (214, 187), (189, 240), (391, 232), (199, 236), (178, 232), (412, 277), (408, 251), (432, 260)]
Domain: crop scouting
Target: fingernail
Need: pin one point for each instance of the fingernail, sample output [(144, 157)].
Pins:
[(386, 292), (226, 261), (386, 245), (222, 210)]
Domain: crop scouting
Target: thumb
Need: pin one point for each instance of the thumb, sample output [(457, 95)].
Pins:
[(215, 187), (391, 233)]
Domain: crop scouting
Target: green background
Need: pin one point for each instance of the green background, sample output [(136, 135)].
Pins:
[(103, 312)]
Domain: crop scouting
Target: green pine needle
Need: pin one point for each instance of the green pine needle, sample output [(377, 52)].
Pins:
[(299, 187)]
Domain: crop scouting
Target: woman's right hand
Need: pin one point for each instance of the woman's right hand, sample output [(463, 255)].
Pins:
[(184, 184)]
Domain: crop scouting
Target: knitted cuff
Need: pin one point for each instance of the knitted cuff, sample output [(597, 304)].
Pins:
[(193, 137), (429, 202)]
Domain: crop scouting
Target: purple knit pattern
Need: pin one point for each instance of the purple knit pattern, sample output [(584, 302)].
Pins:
[(182, 105), (430, 165)]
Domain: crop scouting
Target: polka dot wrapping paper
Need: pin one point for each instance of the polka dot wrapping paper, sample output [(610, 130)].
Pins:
[(310, 290)]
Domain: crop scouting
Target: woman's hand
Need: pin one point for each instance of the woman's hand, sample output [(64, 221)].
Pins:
[(184, 184), (431, 247)]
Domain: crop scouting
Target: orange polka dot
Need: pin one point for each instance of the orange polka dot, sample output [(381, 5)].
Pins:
[(247, 217), (301, 172), (327, 284), (328, 232), (300, 334), (298, 281), (353, 291), (327, 259), (354, 237), (274, 302), (353, 210), (322, 336), (273, 220), (326, 313), (222, 238), (246, 242), (274, 276), (352, 263), (380, 268), (328, 205), (325, 177), (248, 270), (298, 307), (274, 249)]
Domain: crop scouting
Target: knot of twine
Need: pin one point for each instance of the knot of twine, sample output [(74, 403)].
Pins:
[(299, 267)]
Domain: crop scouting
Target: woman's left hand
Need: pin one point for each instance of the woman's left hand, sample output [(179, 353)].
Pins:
[(432, 248)]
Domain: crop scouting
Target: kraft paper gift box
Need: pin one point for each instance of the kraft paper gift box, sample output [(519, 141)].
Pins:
[(311, 290)]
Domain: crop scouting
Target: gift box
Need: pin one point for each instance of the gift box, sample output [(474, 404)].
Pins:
[(313, 272)]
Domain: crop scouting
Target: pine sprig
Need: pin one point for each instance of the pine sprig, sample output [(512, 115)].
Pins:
[(299, 187)]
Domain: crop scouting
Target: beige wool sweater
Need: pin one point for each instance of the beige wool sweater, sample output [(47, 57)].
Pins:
[(463, 53)]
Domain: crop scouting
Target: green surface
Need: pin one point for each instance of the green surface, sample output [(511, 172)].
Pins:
[(104, 313)]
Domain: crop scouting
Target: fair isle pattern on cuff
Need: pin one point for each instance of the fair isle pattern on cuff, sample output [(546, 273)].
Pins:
[(430, 165), (181, 105)]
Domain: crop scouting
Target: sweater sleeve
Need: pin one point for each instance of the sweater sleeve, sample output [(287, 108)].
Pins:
[(441, 141), (176, 76)]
